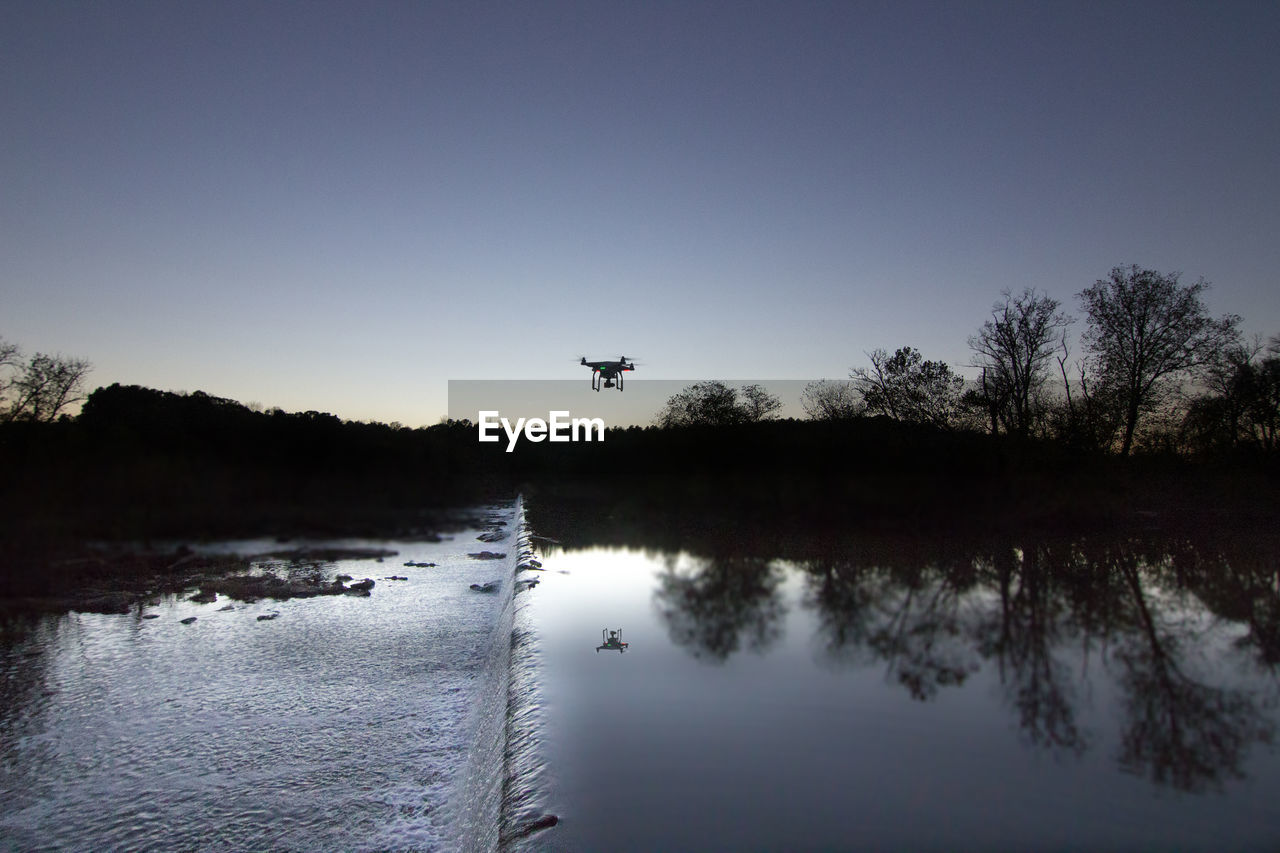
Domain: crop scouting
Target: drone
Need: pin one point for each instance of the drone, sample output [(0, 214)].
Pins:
[(608, 371)]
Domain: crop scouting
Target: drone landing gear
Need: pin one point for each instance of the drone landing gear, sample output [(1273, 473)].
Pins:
[(609, 382), (607, 374)]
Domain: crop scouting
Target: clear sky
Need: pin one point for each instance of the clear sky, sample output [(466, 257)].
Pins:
[(341, 206)]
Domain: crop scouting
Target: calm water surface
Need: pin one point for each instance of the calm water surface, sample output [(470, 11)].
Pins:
[(891, 695)]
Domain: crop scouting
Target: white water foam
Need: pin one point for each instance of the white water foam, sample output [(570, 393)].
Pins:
[(346, 723)]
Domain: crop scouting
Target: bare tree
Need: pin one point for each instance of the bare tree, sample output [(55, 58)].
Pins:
[(907, 388), (1264, 403), (758, 404), (1244, 401), (825, 400), (1014, 349), (10, 365), (40, 388), (1088, 417), (1145, 332), (1220, 417), (717, 404)]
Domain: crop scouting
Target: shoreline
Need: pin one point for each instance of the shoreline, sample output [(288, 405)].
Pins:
[(129, 579), (53, 561)]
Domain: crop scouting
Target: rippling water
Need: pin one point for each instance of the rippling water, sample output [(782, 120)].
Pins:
[(345, 723)]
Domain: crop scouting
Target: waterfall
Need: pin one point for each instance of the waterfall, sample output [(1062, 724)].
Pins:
[(497, 798)]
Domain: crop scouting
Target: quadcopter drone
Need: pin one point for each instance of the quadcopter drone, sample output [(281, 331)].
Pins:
[(608, 371)]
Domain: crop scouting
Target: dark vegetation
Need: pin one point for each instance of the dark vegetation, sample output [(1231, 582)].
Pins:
[(1169, 413), (139, 464)]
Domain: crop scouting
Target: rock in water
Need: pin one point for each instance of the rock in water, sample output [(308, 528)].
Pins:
[(545, 822), (188, 620)]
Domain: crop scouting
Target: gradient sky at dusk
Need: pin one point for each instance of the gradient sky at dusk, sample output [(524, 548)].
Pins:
[(341, 206)]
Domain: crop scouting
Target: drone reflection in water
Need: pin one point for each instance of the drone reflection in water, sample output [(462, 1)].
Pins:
[(612, 642)]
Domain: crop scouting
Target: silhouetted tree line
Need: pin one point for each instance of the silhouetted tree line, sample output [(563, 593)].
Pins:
[(141, 462), (1158, 373), (906, 439), (717, 404)]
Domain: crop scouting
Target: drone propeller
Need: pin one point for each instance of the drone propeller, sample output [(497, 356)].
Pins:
[(620, 359)]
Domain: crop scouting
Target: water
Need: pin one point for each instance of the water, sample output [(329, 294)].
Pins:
[(345, 723), (1094, 691), (897, 694)]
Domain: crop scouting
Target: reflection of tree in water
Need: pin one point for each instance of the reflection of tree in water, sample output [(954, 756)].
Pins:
[(1239, 579), (908, 616), (1021, 606), (1179, 731), (846, 596), (1022, 637), (712, 609), (1039, 609), (920, 634)]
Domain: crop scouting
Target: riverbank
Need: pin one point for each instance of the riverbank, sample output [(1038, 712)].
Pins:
[(56, 558), (47, 562), (120, 578)]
